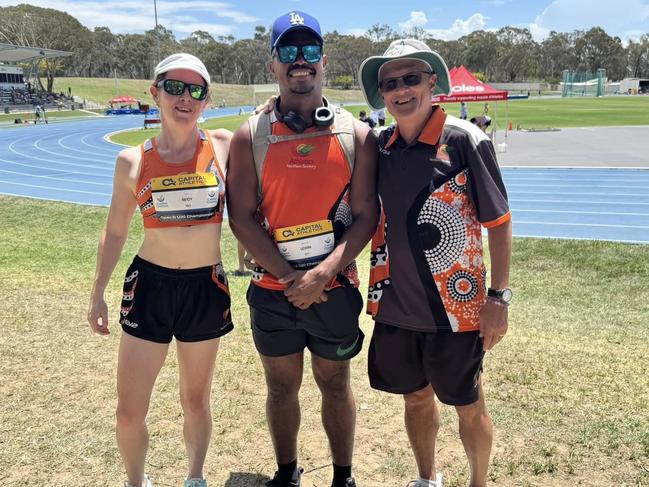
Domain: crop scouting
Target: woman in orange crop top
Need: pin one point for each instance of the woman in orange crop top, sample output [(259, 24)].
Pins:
[(176, 285)]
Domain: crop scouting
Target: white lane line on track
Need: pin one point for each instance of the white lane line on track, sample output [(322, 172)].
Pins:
[(83, 151), (581, 212), (581, 224), (41, 159), (53, 188), (102, 147), (109, 135), (572, 193), (576, 202), (45, 168), (579, 180), (74, 202), (642, 185), (37, 143), (55, 178), (604, 168)]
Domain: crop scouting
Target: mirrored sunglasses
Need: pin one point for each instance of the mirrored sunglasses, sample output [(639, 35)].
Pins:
[(409, 79), (310, 52), (176, 88)]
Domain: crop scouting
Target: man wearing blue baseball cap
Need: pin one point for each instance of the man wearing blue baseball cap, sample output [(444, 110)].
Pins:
[(439, 184), (303, 203)]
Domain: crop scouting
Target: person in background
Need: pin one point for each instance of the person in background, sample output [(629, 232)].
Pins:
[(362, 116), (464, 111)]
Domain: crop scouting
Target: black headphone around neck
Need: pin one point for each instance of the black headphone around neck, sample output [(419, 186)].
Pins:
[(321, 117)]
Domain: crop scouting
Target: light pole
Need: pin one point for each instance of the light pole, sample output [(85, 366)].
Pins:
[(157, 35)]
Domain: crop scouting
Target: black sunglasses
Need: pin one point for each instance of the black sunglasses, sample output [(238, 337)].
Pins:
[(310, 52), (176, 88), (410, 79)]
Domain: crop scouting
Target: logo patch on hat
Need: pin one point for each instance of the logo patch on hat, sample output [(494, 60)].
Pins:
[(296, 19)]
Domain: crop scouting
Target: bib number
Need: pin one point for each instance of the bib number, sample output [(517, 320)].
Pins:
[(186, 197), (305, 246)]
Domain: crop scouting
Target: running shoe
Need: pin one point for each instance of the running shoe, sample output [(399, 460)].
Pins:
[(294, 482), (147, 482), (349, 482), (195, 482)]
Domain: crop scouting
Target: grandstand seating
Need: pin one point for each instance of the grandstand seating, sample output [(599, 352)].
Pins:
[(17, 98)]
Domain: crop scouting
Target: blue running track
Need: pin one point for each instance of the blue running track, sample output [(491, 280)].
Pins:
[(71, 161)]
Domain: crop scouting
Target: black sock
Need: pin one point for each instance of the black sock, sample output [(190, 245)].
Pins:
[(285, 471), (341, 473)]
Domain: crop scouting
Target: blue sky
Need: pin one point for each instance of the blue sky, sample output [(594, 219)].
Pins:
[(447, 20)]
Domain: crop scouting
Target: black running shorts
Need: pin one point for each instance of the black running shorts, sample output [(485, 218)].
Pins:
[(159, 303), (329, 330), (403, 361)]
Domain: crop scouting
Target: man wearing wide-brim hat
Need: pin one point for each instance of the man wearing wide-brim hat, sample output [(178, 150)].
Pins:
[(439, 184)]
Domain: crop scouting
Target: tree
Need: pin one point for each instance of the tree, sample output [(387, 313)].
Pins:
[(346, 53), (480, 52), (517, 54), (595, 49), (557, 52), (638, 58), (381, 33)]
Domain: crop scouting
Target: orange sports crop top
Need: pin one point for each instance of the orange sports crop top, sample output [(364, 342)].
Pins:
[(178, 195)]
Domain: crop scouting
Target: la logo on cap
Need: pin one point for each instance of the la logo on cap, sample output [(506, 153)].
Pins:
[(296, 19)]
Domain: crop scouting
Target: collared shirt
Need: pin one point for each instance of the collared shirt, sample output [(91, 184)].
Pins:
[(426, 223)]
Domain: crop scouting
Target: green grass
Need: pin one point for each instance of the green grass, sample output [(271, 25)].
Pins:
[(567, 387), (565, 112), (100, 90), (535, 113), (52, 115)]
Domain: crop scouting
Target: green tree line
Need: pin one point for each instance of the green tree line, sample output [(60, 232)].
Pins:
[(509, 54)]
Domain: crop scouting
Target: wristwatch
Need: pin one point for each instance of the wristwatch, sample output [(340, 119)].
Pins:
[(505, 295)]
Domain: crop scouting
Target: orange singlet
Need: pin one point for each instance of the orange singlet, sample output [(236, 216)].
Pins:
[(174, 195), (305, 201)]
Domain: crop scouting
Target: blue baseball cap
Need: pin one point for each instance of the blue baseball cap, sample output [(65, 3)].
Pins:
[(291, 21)]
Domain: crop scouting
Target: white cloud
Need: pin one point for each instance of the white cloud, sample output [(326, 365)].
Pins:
[(131, 16), (417, 19), (538, 33), (460, 28), (616, 18)]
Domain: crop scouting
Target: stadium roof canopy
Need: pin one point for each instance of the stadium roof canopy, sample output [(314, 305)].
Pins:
[(10, 53)]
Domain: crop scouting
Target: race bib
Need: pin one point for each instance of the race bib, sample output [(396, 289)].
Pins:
[(306, 245), (186, 197)]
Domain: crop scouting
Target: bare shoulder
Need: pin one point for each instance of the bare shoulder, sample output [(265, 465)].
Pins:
[(221, 136), (128, 162), (364, 134), (242, 134)]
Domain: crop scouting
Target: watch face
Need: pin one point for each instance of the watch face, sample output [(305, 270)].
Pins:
[(507, 295)]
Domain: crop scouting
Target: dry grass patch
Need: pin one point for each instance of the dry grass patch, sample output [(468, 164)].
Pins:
[(567, 389)]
